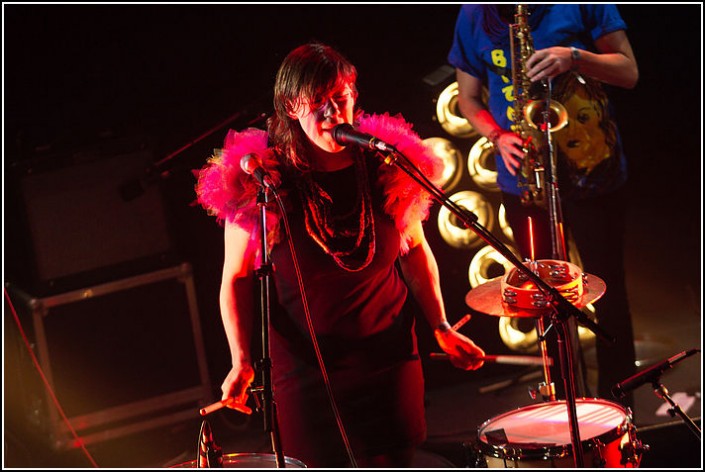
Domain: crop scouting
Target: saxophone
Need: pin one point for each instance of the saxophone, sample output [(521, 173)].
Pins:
[(531, 116)]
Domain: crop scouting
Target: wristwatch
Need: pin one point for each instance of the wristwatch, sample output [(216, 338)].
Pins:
[(575, 58), (443, 327)]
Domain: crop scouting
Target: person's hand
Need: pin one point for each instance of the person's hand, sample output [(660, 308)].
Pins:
[(509, 145), (462, 352), (235, 386), (549, 63)]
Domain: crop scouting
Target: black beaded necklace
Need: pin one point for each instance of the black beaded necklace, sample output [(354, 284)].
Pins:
[(348, 237)]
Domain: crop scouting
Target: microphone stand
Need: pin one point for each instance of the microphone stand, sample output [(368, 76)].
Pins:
[(264, 392), (662, 392), (561, 308)]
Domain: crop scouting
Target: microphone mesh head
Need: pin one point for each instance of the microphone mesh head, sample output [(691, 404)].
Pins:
[(338, 130), (249, 163)]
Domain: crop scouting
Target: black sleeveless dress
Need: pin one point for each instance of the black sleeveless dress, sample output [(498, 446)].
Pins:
[(366, 335)]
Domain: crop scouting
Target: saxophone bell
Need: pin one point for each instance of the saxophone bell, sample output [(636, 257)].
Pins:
[(557, 115)]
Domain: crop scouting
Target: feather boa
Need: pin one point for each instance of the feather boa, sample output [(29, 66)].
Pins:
[(229, 194)]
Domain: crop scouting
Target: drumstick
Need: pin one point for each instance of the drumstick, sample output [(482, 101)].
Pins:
[(230, 402), (502, 359), (462, 321)]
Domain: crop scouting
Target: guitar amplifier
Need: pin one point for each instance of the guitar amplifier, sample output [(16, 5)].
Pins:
[(86, 217), (118, 358)]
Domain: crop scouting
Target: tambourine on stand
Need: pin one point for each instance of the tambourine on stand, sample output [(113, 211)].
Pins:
[(515, 296)]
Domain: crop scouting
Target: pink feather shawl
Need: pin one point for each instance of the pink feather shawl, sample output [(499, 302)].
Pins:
[(226, 192)]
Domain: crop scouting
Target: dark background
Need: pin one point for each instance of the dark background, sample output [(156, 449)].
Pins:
[(80, 78)]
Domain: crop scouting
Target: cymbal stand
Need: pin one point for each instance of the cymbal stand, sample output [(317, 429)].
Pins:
[(562, 309), (555, 213), (558, 244), (547, 389)]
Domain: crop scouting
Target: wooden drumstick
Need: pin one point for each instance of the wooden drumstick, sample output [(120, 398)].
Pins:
[(462, 321), (501, 359), (230, 402)]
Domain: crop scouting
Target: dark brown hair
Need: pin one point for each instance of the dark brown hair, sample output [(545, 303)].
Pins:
[(310, 71)]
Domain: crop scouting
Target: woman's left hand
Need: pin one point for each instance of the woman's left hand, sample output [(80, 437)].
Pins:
[(462, 352)]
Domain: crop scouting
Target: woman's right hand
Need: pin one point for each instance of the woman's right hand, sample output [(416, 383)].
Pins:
[(236, 384)]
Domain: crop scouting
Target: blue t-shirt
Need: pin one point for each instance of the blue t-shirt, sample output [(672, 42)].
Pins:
[(590, 157)]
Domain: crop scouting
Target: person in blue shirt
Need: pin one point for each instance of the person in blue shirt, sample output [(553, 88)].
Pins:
[(582, 51)]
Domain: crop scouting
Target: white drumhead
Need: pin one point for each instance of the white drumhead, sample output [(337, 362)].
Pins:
[(548, 423)]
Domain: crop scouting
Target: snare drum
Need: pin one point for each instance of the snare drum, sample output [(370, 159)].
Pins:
[(249, 461), (539, 436)]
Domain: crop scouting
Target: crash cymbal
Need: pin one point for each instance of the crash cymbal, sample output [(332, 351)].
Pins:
[(487, 298)]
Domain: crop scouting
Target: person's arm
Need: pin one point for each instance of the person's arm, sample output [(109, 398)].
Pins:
[(474, 110), (613, 64), (236, 309), (421, 274)]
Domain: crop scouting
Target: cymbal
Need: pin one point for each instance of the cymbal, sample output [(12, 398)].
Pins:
[(487, 298)]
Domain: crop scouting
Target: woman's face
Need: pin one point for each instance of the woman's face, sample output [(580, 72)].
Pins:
[(583, 141), (319, 115)]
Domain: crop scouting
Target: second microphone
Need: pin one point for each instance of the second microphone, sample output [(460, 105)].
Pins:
[(250, 164)]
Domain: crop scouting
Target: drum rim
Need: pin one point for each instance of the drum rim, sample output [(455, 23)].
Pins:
[(515, 451), (234, 456), (262, 456)]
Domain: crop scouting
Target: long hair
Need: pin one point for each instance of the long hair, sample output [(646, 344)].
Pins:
[(310, 71)]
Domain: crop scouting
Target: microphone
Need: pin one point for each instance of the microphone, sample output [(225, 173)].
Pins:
[(250, 164), (345, 134), (650, 374)]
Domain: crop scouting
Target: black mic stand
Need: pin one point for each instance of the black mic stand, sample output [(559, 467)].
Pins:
[(264, 392), (662, 392), (561, 308)]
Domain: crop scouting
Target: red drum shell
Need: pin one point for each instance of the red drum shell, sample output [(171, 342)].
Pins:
[(539, 436)]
